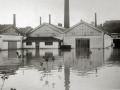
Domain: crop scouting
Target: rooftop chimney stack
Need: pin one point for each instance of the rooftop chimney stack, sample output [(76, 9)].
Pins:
[(49, 19), (95, 19), (66, 14), (14, 19), (40, 20)]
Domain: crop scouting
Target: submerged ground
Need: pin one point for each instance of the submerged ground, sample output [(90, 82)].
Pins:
[(75, 69)]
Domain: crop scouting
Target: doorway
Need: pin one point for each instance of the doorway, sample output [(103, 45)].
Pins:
[(37, 45), (12, 45), (83, 43)]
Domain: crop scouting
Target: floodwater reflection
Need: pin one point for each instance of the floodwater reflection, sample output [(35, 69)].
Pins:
[(55, 69)]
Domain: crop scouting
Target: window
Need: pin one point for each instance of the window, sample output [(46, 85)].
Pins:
[(48, 43), (28, 43)]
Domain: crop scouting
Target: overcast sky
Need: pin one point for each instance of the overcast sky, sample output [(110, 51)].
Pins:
[(28, 12)]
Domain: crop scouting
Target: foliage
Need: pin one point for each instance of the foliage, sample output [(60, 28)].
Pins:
[(111, 26)]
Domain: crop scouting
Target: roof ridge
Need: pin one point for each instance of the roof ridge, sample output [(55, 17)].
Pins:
[(83, 22)]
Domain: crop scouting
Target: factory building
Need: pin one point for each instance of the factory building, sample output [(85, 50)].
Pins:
[(45, 35), (84, 35), (10, 36), (81, 35)]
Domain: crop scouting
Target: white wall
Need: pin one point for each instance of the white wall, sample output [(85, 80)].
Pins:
[(4, 45), (41, 45), (29, 46), (107, 41), (55, 45), (95, 41)]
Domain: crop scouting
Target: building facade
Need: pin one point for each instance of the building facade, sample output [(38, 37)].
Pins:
[(84, 35), (10, 37), (45, 36)]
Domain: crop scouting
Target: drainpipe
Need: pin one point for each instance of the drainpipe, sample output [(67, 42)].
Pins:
[(22, 42), (63, 38), (103, 40), (103, 48)]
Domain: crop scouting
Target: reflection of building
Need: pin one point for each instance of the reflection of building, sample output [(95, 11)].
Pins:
[(35, 57), (9, 63), (83, 53), (85, 60), (9, 57)]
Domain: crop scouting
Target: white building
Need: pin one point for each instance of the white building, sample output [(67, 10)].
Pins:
[(42, 42), (45, 36), (10, 37), (84, 35)]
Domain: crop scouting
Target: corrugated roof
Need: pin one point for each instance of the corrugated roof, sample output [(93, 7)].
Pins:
[(25, 30), (54, 27), (41, 39), (58, 27), (82, 22), (4, 26)]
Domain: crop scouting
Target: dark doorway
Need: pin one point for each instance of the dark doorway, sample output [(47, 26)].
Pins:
[(117, 43), (83, 43), (37, 45), (12, 44)]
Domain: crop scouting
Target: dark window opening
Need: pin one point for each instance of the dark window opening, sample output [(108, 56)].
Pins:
[(28, 43), (48, 43)]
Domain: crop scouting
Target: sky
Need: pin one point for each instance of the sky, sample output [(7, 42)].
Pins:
[(28, 12)]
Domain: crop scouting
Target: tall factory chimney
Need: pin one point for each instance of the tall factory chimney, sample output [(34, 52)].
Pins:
[(66, 14), (40, 20), (95, 19), (49, 19), (14, 19)]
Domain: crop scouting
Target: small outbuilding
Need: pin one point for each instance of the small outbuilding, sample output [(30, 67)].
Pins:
[(42, 42), (10, 37), (45, 36)]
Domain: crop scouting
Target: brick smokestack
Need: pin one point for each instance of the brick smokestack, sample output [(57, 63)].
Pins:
[(49, 19), (40, 20), (95, 19), (14, 19), (66, 14)]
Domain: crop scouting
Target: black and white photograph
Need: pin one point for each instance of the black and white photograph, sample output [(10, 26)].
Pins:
[(59, 44)]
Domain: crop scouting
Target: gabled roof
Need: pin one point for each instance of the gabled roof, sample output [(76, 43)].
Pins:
[(41, 39), (89, 25), (25, 30), (6, 27), (54, 27)]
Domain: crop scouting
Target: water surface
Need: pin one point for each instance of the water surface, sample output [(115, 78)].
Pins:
[(75, 69)]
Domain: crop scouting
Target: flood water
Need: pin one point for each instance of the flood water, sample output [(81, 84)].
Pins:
[(75, 69)]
